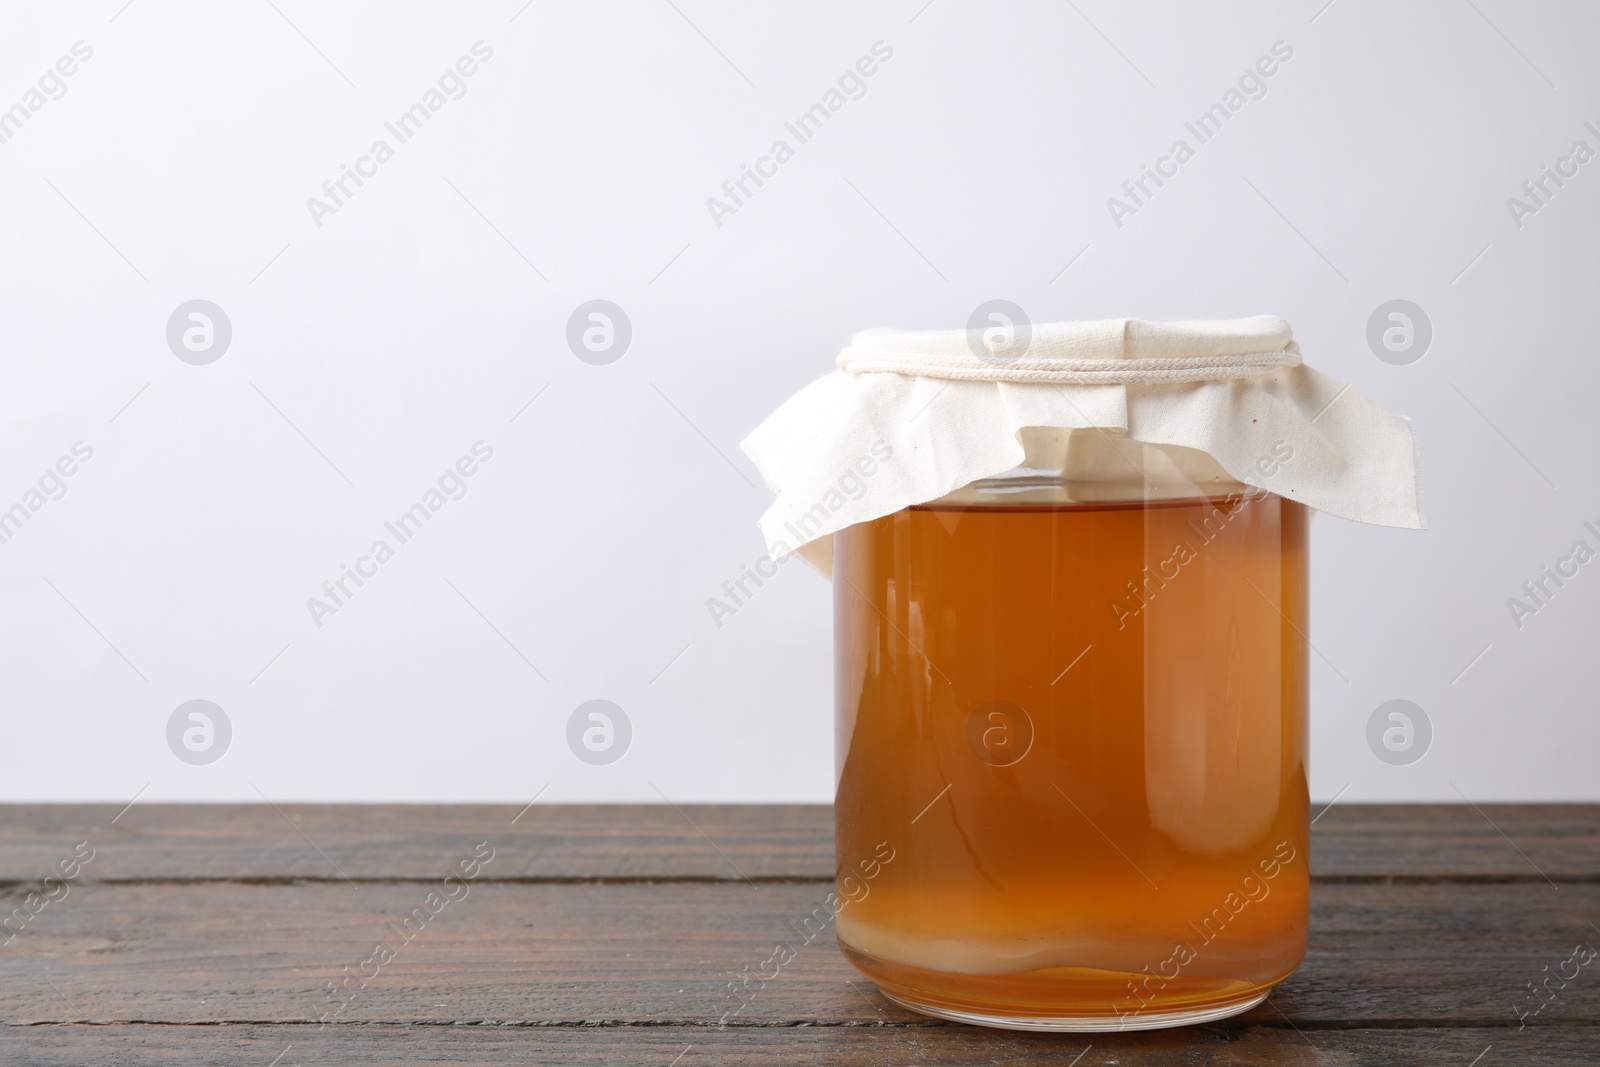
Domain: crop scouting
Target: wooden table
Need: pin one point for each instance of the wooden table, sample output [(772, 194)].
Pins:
[(609, 934)]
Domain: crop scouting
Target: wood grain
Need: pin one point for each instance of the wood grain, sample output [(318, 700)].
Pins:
[(607, 934), (604, 953), (415, 841), (789, 841), (933, 1044), (1457, 842)]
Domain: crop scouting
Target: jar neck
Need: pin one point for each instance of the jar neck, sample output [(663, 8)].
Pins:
[(1098, 467)]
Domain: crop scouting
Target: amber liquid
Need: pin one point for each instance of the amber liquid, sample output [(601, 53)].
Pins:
[(1082, 731)]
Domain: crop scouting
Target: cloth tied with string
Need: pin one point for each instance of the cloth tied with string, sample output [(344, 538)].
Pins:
[(909, 416)]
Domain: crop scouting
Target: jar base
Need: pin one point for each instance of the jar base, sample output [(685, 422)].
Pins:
[(1083, 1000), (1085, 1024)]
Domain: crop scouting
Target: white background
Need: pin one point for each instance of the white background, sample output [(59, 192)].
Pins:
[(372, 351)]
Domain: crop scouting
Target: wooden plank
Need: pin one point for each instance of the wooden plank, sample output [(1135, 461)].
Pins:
[(632, 953), (419, 841), (1458, 841), (565, 841), (933, 1044)]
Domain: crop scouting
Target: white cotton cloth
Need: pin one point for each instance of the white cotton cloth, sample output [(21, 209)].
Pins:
[(910, 416)]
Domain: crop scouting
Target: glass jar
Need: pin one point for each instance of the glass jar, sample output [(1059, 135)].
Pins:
[(1071, 738)]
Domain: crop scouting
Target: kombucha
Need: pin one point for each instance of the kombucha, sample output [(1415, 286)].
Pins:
[(1081, 728)]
